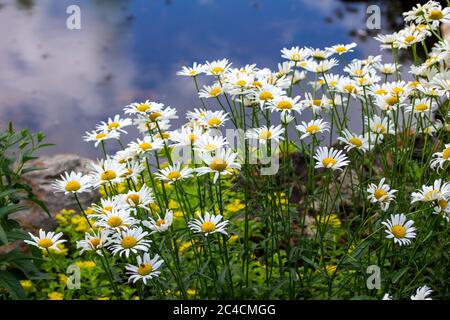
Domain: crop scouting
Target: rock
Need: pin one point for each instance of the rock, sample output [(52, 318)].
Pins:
[(41, 182)]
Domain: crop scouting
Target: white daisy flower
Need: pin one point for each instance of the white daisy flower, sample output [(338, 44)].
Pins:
[(267, 93), (143, 108), (221, 163), (439, 190), (46, 240), (216, 68), (422, 107), (160, 224), (387, 68), (108, 171), (208, 224), (117, 220), (295, 54), (440, 158), (320, 54), (387, 296), (317, 105), (380, 126), (352, 140), (422, 293), (330, 158), (99, 136), (285, 104), (130, 241), (210, 91), (114, 124), (196, 115), (264, 134), (146, 145), (321, 66), (146, 268), (381, 194), (138, 199), (134, 169), (312, 127), (399, 229), (193, 71), (207, 143), (340, 49), (73, 182), (107, 205), (167, 113), (213, 119), (174, 173), (187, 135), (93, 242)]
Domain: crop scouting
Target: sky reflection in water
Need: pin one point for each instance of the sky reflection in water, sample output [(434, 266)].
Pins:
[(65, 81)]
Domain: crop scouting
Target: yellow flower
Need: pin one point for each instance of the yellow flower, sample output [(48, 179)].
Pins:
[(331, 220), (89, 211), (185, 246), (62, 250), (233, 238), (154, 207), (55, 296), (178, 214), (86, 264), (331, 269), (62, 220), (103, 298), (122, 188), (191, 292), (62, 278), (26, 284), (235, 206), (173, 204)]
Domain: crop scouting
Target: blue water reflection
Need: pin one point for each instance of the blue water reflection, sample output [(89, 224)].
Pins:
[(64, 81)]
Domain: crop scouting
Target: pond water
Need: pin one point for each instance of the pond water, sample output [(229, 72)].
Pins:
[(65, 81)]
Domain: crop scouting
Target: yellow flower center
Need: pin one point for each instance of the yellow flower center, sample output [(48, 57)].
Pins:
[(109, 175), (328, 162), (95, 242), (312, 129), (107, 208), (113, 125), (192, 137), (45, 243), (379, 193), (421, 107), (215, 92), (391, 100), (193, 72), (155, 115), (173, 175), (446, 153), (134, 198), (410, 39), (144, 269), (72, 185), (317, 102), (443, 203), (208, 227), (100, 135), (241, 83), (266, 95), (380, 128), (356, 142), (164, 135), (350, 88), (435, 14), (398, 231), (296, 56), (358, 72), (217, 70), (114, 222), (218, 164), (398, 90), (264, 135), (341, 49), (143, 107), (210, 147), (431, 195), (145, 146), (214, 122), (381, 91), (128, 242), (284, 105), (257, 84), (160, 222)]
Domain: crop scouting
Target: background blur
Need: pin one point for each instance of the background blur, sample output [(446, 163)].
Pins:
[(65, 81)]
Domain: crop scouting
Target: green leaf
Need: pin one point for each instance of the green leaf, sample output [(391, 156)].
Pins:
[(11, 208), (3, 236), (30, 169), (11, 284)]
